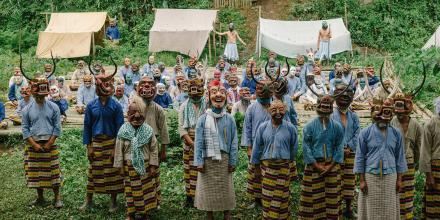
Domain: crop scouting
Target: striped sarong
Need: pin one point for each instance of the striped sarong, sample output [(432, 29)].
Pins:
[(321, 195), (408, 190), (42, 169), (215, 187), (276, 192), (189, 170), (431, 199), (293, 171), (381, 201), (140, 191), (103, 178), (348, 177), (253, 183), (157, 183)]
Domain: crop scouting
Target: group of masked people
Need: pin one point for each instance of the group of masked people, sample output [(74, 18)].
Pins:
[(124, 157)]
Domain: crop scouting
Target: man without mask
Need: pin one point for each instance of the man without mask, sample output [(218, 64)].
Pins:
[(86, 93), (163, 98), (121, 98), (25, 92)]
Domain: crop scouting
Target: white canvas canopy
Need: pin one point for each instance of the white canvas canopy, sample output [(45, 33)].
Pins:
[(434, 41), (291, 38), (70, 34), (181, 30)]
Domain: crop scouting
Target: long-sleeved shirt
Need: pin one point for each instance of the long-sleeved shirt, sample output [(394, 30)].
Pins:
[(102, 119), (113, 33), (2, 111), (78, 75), (240, 106), (164, 100), (275, 143), (291, 112), (155, 117), (123, 101), (294, 85), (136, 77), (14, 91), (85, 95), (41, 121), (430, 149), (250, 83), (256, 114), (227, 135), (321, 142), (373, 81), (147, 69), (412, 138), (379, 154), (123, 71), (351, 129), (128, 89), (123, 153), (62, 104), (197, 111), (22, 104)]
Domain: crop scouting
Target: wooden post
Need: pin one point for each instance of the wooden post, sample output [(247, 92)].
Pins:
[(215, 47), (220, 36), (346, 17), (258, 44), (93, 44), (209, 46)]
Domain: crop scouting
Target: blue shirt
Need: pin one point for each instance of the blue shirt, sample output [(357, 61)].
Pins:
[(316, 138), (62, 104), (147, 69), (351, 129), (275, 143), (123, 71), (113, 33), (227, 135), (123, 101), (128, 88), (294, 85), (22, 104), (41, 121), (2, 111), (291, 113), (250, 83), (85, 95), (374, 147), (373, 81), (164, 100), (102, 119)]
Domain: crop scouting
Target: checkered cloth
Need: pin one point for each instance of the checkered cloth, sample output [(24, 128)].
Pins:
[(189, 115), (212, 141)]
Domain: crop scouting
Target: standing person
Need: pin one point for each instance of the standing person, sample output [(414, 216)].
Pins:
[(248, 82), (430, 165), (41, 155), (323, 46), (103, 118), (380, 163), (274, 150), (216, 155), (112, 32), (136, 155), (412, 133), (323, 155), (231, 52), (155, 117), (189, 112), (351, 128)]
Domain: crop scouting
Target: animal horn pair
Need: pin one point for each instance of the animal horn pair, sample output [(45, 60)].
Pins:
[(24, 74), (93, 73), (334, 96), (418, 88), (278, 71)]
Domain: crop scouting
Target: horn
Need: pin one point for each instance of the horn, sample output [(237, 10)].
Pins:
[(253, 77), (21, 69), (381, 79), (54, 66), (89, 62), (317, 95), (116, 67), (288, 68), (413, 94), (342, 92)]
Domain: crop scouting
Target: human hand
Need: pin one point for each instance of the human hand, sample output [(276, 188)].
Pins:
[(363, 186), (347, 151), (37, 147), (152, 170), (201, 168), (430, 181), (231, 168), (90, 152), (163, 155), (249, 151), (46, 146), (398, 185)]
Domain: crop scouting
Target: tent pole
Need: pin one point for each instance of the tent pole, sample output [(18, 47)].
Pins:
[(213, 43), (93, 44), (346, 18), (258, 44), (209, 46), (220, 36)]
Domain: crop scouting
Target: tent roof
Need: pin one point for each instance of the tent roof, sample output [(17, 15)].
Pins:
[(434, 40), (182, 30), (76, 22), (291, 38)]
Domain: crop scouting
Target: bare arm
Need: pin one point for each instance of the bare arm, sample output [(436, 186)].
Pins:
[(239, 38), (221, 34)]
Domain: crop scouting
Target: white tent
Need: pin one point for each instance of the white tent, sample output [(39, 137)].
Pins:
[(181, 30), (70, 34), (291, 38), (434, 41)]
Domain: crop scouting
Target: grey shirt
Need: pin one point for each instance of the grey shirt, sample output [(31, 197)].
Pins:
[(41, 121)]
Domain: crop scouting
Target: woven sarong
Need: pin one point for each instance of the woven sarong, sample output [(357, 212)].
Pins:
[(42, 169), (348, 177), (321, 195), (381, 201), (189, 170), (103, 178), (293, 171), (253, 183), (140, 191), (231, 52), (157, 183), (276, 193), (215, 187), (431, 200), (408, 190)]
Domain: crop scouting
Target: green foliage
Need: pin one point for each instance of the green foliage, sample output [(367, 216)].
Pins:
[(383, 24)]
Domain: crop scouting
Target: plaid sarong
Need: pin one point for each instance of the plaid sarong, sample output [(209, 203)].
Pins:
[(431, 199), (321, 195), (215, 187), (253, 183), (381, 201), (276, 192), (348, 177), (189, 170), (140, 191), (42, 169), (408, 190), (103, 178)]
